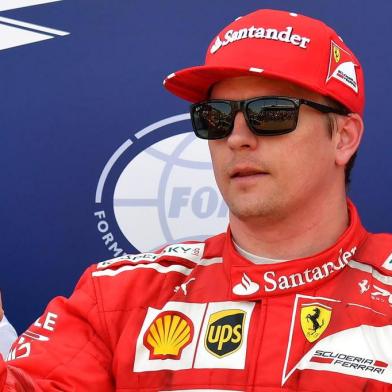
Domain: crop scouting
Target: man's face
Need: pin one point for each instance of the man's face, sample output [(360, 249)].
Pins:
[(274, 176)]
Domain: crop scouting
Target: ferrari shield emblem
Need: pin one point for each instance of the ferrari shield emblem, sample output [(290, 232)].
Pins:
[(336, 53), (314, 320)]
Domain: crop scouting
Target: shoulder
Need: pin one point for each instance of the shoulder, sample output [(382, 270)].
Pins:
[(174, 257), (377, 251), (149, 279), (149, 273)]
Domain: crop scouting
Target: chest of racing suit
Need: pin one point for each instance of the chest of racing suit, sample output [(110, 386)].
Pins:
[(197, 316)]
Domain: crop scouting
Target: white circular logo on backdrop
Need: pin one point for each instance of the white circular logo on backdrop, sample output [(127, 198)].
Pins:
[(162, 190)]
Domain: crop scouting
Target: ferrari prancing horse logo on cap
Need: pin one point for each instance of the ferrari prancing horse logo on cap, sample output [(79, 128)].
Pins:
[(341, 67), (336, 53)]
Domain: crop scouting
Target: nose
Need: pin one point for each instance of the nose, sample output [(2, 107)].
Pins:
[(241, 136)]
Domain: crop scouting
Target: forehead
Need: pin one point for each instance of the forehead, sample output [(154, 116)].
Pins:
[(245, 87)]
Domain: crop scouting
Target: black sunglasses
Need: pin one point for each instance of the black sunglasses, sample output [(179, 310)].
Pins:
[(265, 116)]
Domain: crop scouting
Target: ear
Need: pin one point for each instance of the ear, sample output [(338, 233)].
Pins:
[(348, 137)]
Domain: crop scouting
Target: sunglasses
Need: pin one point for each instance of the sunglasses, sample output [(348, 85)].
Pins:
[(265, 116)]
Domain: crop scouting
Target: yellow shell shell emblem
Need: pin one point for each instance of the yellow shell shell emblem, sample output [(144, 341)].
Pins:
[(315, 319), (168, 335)]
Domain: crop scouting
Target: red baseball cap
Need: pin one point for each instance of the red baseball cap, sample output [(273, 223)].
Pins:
[(277, 44)]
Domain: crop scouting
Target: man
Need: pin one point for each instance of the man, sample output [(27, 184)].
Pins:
[(295, 296), (7, 332)]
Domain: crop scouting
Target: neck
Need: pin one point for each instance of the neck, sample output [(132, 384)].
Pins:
[(307, 231)]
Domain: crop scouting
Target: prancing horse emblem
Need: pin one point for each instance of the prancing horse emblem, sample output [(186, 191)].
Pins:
[(314, 320)]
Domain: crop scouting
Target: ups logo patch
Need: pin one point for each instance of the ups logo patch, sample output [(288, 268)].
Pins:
[(225, 332)]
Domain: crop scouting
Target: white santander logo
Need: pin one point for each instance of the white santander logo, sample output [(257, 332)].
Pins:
[(246, 287)]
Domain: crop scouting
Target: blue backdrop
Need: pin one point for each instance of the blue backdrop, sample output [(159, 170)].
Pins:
[(69, 102)]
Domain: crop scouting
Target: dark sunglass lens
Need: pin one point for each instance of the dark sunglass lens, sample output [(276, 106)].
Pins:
[(272, 115), (212, 120)]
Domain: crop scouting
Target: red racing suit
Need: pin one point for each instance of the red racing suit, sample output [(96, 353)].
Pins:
[(198, 316)]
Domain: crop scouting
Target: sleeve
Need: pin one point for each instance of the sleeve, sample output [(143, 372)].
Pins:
[(7, 336), (64, 350)]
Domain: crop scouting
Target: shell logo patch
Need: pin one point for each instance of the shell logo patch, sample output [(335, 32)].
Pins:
[(168, 335), (314, 320), (224, 332), (341, 67)]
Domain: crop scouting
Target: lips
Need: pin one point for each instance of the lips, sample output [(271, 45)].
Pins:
[(239, 172)]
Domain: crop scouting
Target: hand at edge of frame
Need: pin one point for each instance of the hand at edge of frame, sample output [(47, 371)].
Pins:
[(1, 308)]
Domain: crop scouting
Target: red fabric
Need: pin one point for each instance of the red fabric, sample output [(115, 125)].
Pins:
[(103, 337), (299, 49)]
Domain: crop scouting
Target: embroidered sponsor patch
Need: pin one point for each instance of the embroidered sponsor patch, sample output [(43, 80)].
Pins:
[(168, 335), (249, 282), (346, 345), (341, 67), (342, 353), (172, 337), (225, 332), (246, 287), (191, 252), (287, 35), (315, 318)]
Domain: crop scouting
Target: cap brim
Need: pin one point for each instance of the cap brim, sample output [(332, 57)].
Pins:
[(193, 84)]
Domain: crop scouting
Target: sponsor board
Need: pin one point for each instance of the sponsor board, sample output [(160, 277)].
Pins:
[(158, 188)]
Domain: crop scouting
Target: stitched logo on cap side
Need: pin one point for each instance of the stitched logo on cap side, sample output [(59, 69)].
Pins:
[(260, 33), (341, 67)]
